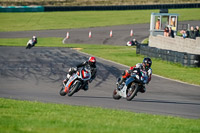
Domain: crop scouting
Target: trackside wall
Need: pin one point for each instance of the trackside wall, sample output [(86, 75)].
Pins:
[(177, 50), (179, 44)]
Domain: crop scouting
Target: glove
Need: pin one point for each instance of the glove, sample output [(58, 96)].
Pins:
[(75, 68)]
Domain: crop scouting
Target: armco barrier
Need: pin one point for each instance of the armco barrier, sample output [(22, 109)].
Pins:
[(186, 59), (94, 8), (21, 9), (124, 7)]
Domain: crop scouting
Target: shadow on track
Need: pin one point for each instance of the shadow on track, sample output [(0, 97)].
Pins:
[(46, 64), (93, 97)]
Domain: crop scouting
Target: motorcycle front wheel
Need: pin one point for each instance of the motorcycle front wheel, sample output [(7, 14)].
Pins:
[(132, 91), (62, 93), (115, 95)]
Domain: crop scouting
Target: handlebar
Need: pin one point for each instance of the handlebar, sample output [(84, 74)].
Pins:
[(139, 76)]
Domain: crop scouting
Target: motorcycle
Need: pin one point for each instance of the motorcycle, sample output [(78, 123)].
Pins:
[(77, 81), (132, 43), (129, 43), (131, 86), (31, 43)]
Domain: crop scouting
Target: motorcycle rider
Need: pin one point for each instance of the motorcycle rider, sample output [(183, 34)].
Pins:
[(34, 40), (133, 42), (31, 42), (145, 66), (91, 63)]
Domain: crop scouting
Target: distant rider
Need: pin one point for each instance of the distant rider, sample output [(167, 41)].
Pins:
[(134, 42), (31, 42), (144, 66), (91, 63), (34, 40)]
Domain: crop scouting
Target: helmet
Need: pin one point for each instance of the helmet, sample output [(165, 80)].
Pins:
[(147, 62), (92, 61)]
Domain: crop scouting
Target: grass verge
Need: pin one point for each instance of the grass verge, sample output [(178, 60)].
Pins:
[(83, 19), (121, 54), (25, 116)]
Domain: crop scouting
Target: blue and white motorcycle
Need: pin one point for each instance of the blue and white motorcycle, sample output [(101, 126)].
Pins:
[(134, 84)]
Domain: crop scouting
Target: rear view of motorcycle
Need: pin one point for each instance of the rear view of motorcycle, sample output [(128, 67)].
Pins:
[(129, 88), (76, 82)]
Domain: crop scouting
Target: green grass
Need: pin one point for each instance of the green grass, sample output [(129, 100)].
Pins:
[(121, 54), (83, 19), (25, 116)]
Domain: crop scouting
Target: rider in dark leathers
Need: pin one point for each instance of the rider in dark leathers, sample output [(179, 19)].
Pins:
[(91, 63), (145, 65)]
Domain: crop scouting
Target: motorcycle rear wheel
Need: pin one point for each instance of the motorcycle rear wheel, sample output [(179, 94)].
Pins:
[(74, 88), (115, 95), (132, 91)]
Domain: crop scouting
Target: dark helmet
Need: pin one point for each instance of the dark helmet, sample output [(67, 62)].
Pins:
[(147, 62), (92, 61)]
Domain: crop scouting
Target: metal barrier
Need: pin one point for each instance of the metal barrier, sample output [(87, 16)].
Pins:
[(94, 8), (124, 7)]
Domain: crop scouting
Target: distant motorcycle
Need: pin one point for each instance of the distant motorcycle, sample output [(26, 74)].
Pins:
[(129, 43), (131, 86), (76, 82), (132, 43), (31, 43)]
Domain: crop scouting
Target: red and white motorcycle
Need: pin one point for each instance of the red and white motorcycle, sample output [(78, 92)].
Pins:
[(76, 82), (132, 43)]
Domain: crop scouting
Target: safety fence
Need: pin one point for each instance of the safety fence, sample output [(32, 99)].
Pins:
[(94, 8), (124, 7), (186, 59)]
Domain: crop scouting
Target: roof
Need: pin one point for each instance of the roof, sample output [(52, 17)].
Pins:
[(165, 14)]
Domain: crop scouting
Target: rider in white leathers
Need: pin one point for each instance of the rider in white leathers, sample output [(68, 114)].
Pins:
[(31, 43)]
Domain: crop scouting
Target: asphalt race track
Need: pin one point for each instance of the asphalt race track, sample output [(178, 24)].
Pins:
[(36, 75)]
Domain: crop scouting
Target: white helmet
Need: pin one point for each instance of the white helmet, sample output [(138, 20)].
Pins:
[(34, 37)]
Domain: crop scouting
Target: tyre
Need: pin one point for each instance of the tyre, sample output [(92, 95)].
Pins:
[(74, 88), (115, 95), (28, 47), (132, 91), (62, 93)]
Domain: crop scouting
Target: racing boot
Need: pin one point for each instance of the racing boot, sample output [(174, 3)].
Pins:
[(143, 89), (85, 87), (119, 83)]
